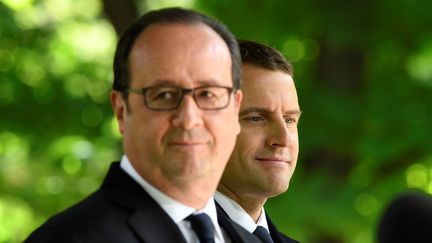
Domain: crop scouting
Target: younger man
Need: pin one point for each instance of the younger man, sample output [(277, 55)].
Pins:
[(265, 154)]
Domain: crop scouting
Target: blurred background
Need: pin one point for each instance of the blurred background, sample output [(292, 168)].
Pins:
[(363, 70)]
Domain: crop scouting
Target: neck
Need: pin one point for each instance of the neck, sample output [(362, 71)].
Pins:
[(195, 194), (252, 204)]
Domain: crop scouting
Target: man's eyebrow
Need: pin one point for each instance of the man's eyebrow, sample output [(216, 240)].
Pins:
[(207, 82), (266, 111), (164, 82), (173, 83), (253, 109), (294, 112)]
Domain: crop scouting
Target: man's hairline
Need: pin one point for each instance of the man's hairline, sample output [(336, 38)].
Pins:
[(252, 64)]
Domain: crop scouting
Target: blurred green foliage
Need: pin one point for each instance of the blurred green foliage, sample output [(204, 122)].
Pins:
[(363, 71)]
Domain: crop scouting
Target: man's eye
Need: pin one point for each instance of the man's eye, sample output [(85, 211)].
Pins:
[(254, 119), (290, 120), (166, 95), (207, 94), (163, 95)]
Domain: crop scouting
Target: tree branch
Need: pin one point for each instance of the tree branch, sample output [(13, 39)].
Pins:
[(121, 13)]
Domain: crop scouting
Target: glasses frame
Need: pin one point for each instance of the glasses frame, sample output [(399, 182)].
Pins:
[(144, 91)]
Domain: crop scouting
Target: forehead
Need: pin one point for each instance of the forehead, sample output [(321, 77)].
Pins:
[(268, 89), (170, 51), (167, 34)]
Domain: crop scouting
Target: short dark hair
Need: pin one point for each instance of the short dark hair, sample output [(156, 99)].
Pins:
[(264, 56), (170, 16)]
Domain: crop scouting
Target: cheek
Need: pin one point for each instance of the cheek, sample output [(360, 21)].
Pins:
[(238, 165), (150, 129), (249, 142), (157, 131), (224, 130), (293, 136)]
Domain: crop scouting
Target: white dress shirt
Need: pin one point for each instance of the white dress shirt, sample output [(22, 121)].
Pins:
[(176, 210), (238, 214)]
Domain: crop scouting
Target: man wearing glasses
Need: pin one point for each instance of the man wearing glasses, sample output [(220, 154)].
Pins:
[(176, 99), (266, 150)]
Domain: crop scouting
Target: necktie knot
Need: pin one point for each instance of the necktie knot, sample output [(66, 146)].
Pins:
[(262, 234), (203, 227)]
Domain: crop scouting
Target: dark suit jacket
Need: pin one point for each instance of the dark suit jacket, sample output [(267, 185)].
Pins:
[(120, 211), (276, 236)]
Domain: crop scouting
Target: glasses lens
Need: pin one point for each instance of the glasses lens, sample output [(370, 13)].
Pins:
[(212, 97), (162, 97)]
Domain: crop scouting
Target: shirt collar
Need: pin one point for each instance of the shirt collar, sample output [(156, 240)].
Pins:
[(238, 214), (176, 210)]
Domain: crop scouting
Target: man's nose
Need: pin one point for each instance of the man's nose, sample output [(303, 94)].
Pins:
[(279, 135), (188, 115)]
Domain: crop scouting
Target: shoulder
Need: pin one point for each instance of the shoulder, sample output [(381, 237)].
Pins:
[(69, 225), (103, 210)]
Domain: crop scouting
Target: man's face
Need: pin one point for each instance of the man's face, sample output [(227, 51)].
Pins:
[(188, 143), (266, 150)]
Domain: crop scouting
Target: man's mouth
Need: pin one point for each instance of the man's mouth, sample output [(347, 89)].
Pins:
[(273, 159), (186, 143)]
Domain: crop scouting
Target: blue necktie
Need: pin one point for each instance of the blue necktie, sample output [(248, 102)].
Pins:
[(203, 227), (262, 234)]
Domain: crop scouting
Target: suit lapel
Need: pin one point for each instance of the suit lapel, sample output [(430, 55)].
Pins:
[(236, 232), (220, 209), (148, 220), (225, 223), (276, 235), (154, 225)]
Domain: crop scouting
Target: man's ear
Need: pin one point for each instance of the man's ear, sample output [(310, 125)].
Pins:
[(119, 108), (238, 96)]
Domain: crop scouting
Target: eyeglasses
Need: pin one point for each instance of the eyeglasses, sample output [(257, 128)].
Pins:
[(164, 98)]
